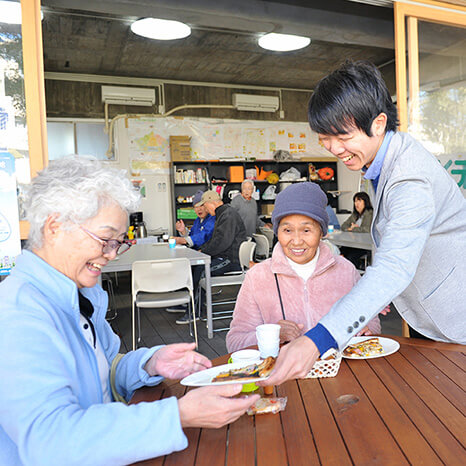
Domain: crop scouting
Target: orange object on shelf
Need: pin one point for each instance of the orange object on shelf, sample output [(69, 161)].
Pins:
[(326, 173), (236, 174)]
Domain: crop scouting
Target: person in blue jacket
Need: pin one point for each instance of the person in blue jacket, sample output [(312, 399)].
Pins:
[(202, 229), (57, 395)]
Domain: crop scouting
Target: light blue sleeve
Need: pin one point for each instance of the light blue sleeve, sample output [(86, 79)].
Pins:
[(53, 417), (410, 211)]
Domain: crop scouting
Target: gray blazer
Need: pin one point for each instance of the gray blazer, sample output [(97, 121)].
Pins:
[(419, 229)]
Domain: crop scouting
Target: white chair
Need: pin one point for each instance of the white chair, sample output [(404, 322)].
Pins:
[(268, 233), (160, 284), (263, 246), (246, 255)]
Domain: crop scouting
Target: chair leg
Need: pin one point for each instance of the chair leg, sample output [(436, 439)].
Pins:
[(139, 325), (133, 325), (194, 321)]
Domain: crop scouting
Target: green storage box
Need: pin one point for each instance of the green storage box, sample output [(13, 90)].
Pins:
[(186, 214)]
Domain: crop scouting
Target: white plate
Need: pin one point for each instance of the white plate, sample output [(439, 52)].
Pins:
[(204, 378), (389, 347)]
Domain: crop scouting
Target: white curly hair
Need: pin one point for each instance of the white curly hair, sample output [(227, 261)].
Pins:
[(75, 188)]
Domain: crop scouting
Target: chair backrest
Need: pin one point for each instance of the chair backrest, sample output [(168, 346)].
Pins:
[(246, 253), (268, 233), (263, 246), (161, 276)]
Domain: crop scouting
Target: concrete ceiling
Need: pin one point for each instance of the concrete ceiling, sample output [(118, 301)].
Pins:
[(94, 37)]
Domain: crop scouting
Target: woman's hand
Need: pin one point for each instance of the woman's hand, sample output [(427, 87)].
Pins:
[(180, 226), (364, 332), (385, 310), (289, 330), (212, 406), (176, 361)]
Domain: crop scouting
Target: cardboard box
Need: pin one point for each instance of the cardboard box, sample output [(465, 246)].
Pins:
[(267, 209), (236, 174), (180, 148)]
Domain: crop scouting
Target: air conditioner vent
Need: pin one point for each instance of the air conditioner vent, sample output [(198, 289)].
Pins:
[(128, 95)]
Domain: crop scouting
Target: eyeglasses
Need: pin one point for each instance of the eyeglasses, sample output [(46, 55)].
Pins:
[(109, 245)]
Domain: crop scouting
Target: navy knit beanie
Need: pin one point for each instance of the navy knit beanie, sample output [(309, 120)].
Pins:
[(197, 197), (304, 199)]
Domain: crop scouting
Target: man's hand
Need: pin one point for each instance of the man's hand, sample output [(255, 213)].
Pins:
[(289, 330), (181, 227), (212, 406), (176, 361), (294, 361), (181, 240)]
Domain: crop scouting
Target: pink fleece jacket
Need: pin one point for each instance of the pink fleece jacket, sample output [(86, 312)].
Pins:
[(258, 302)]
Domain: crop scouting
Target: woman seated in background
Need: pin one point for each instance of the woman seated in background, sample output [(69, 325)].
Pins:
[(301, 281), (361, 218), (57, 349), (359, 222)]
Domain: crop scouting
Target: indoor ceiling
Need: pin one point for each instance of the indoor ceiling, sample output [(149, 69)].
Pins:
[(94, 37)]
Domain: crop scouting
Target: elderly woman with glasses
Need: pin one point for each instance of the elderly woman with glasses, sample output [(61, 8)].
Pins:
[(56, 402)]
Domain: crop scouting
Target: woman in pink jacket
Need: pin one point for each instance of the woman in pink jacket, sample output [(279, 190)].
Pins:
[(301, 281)]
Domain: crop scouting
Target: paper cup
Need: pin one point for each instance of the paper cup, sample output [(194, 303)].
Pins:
[(330, 228), (269, 330), (172, 243), (268, 340)]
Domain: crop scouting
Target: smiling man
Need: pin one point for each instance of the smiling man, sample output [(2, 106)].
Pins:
[(419, 225)]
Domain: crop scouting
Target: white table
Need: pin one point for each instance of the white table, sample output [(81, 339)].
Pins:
[(352, 240), (158, 251)]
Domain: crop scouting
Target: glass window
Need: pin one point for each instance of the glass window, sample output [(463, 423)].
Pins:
[(92, 140), (60, 136), (13, 130), (437, 114), (77, 137)]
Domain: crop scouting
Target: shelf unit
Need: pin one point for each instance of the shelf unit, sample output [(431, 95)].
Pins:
[(219, 170)]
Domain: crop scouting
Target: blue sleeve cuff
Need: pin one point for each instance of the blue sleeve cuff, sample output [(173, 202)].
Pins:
[(322, 338)]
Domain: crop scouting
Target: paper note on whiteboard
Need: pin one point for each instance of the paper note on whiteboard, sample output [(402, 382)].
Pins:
[(10, 243)]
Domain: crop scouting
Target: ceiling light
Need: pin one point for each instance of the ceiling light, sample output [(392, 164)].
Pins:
[(10, 12), (160, 29), (283, 42)]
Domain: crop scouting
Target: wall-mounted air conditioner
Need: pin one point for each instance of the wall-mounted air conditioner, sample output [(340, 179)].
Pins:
[(255, 103), (128, 95)]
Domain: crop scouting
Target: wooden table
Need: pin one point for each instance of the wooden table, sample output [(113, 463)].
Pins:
[(161, 251), (406, 408)]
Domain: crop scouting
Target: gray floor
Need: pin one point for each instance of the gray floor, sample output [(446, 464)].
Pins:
[(159, 327)]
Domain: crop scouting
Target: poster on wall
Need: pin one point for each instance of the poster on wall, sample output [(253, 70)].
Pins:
[(217, 139), (10, 243)]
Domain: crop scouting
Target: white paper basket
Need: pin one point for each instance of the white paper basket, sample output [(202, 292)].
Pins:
[(326, 367)]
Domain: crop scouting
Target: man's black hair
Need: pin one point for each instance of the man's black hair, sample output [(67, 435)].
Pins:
[(351, 96)]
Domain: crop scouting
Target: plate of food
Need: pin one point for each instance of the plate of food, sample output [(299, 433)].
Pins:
[(227, 374), (370, 347)]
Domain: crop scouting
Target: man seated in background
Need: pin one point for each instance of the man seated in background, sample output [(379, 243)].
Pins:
[(202, 229), (246, 206), (200, 232), (223, 246)]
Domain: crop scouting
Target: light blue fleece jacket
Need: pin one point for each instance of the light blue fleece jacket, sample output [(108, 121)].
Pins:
[(51, 406)]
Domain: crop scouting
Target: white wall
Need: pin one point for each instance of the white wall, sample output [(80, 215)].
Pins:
[(157, 205), (348, 184)]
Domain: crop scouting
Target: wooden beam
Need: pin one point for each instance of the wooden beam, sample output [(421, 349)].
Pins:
[(400, 60), (34, 90)]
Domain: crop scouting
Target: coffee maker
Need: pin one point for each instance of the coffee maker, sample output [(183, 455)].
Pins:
[(137, 222)]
